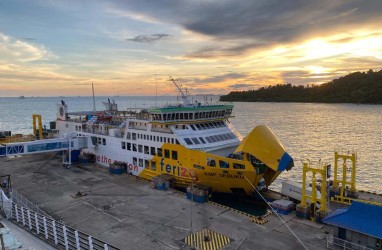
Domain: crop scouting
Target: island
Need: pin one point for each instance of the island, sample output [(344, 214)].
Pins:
[(357, 87)]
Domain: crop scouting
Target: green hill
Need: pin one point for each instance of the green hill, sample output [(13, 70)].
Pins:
[(358, 87)]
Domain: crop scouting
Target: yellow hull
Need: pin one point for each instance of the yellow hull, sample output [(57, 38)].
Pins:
[(260, 155)]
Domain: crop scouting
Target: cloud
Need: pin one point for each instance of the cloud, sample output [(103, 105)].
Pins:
[(242, 85), (218, 79), (15, 50), (149, 39), (251, 24)]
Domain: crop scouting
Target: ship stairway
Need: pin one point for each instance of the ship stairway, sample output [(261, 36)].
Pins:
[(43, 146)]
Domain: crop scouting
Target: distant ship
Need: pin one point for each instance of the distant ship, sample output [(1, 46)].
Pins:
[(192, 142), (22, 97)]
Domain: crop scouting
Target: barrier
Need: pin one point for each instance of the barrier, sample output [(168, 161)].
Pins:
[(54, 232)]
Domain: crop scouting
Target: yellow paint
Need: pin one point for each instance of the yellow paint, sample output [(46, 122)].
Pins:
[(194, 166), (215, 240), (321, 170), (353, 169), (37, 117)]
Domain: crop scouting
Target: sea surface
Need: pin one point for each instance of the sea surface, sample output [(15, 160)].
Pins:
[(308, 131)]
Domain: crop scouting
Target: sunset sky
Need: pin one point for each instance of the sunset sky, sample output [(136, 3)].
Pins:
[(58, 47)]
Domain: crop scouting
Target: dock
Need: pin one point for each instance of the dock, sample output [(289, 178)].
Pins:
[(129, 214)]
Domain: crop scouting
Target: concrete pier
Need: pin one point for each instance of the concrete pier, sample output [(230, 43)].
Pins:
[(129, 214)]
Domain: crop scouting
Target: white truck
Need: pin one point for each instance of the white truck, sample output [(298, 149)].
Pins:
[(294, 190)]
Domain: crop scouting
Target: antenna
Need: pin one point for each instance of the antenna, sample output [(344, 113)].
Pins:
[(94, 107), (156, 89)]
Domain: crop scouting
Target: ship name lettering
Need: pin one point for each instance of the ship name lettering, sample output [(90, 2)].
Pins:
[(231, 176)]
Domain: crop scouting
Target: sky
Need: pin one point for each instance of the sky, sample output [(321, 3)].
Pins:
[(126, 47)]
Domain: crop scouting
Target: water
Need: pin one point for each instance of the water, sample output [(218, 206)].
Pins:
[(308, 131)]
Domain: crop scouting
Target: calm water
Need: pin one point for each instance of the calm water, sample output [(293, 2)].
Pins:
[(308, 131)]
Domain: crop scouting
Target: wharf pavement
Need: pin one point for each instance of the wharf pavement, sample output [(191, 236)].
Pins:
[(129, 214)]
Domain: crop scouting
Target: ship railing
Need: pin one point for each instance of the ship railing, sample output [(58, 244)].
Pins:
[(337, 243), (20, 200), (55, 232)]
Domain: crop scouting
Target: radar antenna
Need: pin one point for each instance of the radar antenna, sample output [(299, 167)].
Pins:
[(182, 94)]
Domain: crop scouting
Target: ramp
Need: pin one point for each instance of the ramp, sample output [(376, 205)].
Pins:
[(43, 146)]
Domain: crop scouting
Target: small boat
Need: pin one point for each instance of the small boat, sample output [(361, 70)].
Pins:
[(22, 97)]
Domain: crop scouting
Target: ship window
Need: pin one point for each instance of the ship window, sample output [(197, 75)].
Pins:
[(157, 138), (172, 140), (202, 126), (211, 162), (151, 137), (147, 164), (238, 166), (152, 150), (135, 161), (202, 140), (193, 128), (213, 138), (217, 138), (167, 153), (223, 164), (103, 141), (123, 145), (161, 139), (134, 136), (128, 136), (140, 149), (188, 141), (153, 166), (140, 163), (177, 142), (128, 146), (174, 155), (225, 137), (221, 137), (196, 115), (98, 140), (146, 149), (208, 139), (135, 147), (159, 152), (198, 126), (195, 140), (139, 136), (181, 116)]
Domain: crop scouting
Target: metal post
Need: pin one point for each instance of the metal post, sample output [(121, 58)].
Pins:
[(17, 213), (29, 219), (36, 221), (65, 237), (77, 240), (54, 232), (105, 247), (45, 228), (22, 215), (90, 243)]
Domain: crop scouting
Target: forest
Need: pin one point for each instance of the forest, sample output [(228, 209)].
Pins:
[(357, 87)]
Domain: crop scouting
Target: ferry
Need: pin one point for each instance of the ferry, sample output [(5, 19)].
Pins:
[(194, 143)]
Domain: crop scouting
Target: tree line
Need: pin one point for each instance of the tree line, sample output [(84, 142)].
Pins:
[(357, 87)]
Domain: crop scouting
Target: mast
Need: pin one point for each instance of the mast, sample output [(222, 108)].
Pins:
[(184, 96), (94, 107)]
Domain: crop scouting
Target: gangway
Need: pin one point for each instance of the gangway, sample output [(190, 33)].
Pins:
[(44, 146)]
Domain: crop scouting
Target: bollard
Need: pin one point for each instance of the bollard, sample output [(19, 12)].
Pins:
[(105, 247), (36, 222)]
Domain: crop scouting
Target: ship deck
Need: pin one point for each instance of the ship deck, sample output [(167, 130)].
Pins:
[(129, 214)]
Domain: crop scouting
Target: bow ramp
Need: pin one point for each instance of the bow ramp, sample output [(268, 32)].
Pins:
[(43, 146), (262, 144)]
